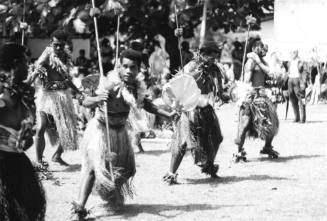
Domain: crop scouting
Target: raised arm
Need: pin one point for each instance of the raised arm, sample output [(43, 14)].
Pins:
[(248, 70), (259, 61)]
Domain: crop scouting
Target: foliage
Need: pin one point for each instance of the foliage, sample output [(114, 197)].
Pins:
[(141, 18)]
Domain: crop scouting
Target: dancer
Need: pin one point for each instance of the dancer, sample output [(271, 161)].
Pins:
[(54, 105), (204, 135), (257, 117), (21, 194), (123, 93)]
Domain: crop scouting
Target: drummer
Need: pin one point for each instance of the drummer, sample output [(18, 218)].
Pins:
[(203, 135)]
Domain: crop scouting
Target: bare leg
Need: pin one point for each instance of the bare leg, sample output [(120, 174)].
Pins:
[(57, 156), (303, 113), (176, 159), (243, 126), (268, 143), (137, 140), (268, 148), (39, 137), (78, 210), (87, 183)]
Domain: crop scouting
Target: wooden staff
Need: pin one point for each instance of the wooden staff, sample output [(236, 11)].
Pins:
[(204, 23), (23, 31), (179, 40), (117, 41), (102, 75), (242, 71), (244, 54)]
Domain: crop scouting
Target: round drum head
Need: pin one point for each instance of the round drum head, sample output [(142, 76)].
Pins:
[(181, 93)]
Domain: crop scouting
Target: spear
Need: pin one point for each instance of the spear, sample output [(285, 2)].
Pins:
[(204, 23), (249, 20), (179, 40), (117, 41), (102, 75), (24, 12)]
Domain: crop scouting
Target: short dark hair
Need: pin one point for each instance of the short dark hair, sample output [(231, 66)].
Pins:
[(82, 51), (132, 55), (255, 42), (60, 35), (136, 45), (209, 47)]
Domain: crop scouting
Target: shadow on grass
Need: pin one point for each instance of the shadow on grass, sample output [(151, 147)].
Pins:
[(153, 152), (291, 121), (282, 159), (314, 121), (73, 168), (232, 179)]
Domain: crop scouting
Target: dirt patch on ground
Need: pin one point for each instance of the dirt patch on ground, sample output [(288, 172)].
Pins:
[(293, 187)]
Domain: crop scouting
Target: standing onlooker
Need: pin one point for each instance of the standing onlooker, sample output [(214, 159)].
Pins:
[(226, 52), (159, 60), (107, 56), (82, 63), (315, 77), (296, 87)]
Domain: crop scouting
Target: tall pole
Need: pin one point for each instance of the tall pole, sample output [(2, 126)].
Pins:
[(179, 40), (23, 31), (203, 23), (117, 41), (102, 75), (244, 54)]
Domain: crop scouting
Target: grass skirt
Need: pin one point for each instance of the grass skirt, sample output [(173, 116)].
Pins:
[(59, 105), (200, 132), (22, 196), (264, 123), (96, 155)]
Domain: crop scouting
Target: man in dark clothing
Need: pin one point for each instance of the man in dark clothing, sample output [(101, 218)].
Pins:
[(296, 88), (82, 63)]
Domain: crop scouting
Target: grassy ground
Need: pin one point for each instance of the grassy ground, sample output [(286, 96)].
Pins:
[(293, 187)]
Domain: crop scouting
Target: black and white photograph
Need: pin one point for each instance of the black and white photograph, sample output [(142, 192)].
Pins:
[(154, 110)]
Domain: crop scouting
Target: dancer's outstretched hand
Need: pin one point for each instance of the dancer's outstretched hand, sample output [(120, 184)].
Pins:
[(174, 115)]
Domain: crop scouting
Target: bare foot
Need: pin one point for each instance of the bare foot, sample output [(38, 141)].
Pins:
[(59, 160)]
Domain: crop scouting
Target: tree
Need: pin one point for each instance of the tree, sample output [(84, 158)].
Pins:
[(140, 19)]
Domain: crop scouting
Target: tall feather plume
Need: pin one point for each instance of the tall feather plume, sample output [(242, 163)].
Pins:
[(114, 7)]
